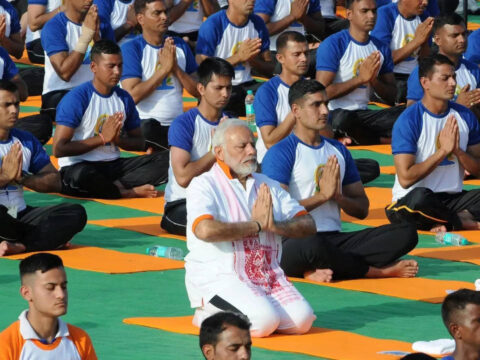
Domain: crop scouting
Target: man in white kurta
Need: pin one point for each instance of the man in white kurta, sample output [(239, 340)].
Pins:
[(235, 220)]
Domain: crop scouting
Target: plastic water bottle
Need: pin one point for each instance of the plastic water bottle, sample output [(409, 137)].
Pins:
[(249, 110), (166, 252), (447, 238)]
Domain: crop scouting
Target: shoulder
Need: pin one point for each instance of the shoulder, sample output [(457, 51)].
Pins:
[(76, 332), (257, 21), (471, 66), (122, 94), (464, 112), (334, 44), (11, 341), (135, 44), (26, 139), (10, 333), (268, 87), (9, 8), (57, 22), (179, 42), (216, 19), (187, 118)]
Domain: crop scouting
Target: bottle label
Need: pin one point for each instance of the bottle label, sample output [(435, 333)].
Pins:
[(161, 251), (249, 109)]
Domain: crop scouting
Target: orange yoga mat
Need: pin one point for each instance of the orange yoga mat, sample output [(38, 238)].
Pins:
[(379, 198), (469, 254), (149, 225), (389, 170), (420, 289), (382, 149), (96, 259), (325, 343)]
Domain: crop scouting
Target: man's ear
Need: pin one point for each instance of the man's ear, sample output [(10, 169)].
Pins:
[(218, 151), (200, 88), (93, 67), (455, 330), (280, 57), (208, 351), (425, 82), (26, 292), (349, 14)]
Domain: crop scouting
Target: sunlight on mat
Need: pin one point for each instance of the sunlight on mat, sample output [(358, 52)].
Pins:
[(469, 254)]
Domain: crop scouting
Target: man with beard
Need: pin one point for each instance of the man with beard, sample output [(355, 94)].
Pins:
[(235, 221)]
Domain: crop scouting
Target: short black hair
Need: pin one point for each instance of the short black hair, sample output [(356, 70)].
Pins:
[(214, 65), (214, 325), (417, 356), (302, 87), (349, 3), (8, 85), (40, 261), (457, 301), (287, 36), (140, 5), (448, 19), (426, 65), (104, 47)]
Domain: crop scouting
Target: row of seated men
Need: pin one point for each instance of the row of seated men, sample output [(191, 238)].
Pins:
[(236, 218)]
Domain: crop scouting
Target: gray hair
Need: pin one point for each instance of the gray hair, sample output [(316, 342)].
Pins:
[(219, 135)]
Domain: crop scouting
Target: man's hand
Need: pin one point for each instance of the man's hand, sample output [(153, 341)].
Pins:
[(330, 178), (298, 9), (167, 56), (262, 210), (3, 27), (12, 163), (468, 98), (112, 127), (423, 31), (91, 19), (448, 138), (248, 49), (369, 68)]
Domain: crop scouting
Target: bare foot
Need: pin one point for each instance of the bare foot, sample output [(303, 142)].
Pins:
[(468, 221), (144, 191), (401, 268), (345, 140), (149, 151), (319, 275), (11, 248), (438, 228), (385, 140)]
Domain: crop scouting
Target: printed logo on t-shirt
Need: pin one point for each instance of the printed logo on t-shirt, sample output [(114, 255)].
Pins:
[(167, 83), (317, 175), (99, 124), (235, 48), (457, 91), (356, 70), (408, 38), (86, 58), (449, 158), (193, 6)]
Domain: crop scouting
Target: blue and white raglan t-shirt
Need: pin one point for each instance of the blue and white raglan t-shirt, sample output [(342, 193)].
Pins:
[(396, 31), (35, 159), (279, 9), (60, 34), (343, 55), (49, 5), (467, 73), (299, 166), (191, 20), (8, 69), (11, 18), (192, 133), (473, 47), (432, 6), (140, 60), (219, 37), (115, 12), (271, 108), (416, 132), (85, 110)]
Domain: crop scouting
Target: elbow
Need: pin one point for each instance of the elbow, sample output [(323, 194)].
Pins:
[(183, 181), (65, 76), (363, 213), (404, 183), (57, 150)]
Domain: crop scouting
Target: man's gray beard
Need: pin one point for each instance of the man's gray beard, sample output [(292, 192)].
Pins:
[(243, 170)]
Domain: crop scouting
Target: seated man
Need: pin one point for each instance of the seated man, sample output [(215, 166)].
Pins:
[(335, 185), (39, 333), (10, 37), (235, 221), (473, 49), (450, 34), (241, 38), (66, 39), (284, 15), (433, 142), (121, 16), (352, 64), (405, 27), (186, 17), (460, 313), (94, 120), (190, 138), (38, 13), (225, 333), (157, 69), (24, 162)]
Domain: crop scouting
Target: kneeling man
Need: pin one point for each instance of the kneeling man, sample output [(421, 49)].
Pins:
[(235, 221)]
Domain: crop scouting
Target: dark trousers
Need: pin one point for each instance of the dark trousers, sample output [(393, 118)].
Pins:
[(364, 127), (368, 169), (401, 82), (38, 125), (426, 209), (349, 255), (334, 25), (50, 102), (175, 217), (236, 105), (96, 179), (43, 228), (35, 52), (155, 134), (447, 6), (33, 77)]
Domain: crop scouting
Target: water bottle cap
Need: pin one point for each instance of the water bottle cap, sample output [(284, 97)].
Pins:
[(250, 92)]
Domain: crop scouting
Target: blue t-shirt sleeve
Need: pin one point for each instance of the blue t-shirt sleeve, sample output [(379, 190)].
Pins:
[(106, 31), (132, 62), (387, 66), (473, 48), (264, 104), (262, 32), (38, 2), (180, 133), (14, 19), (329, 54), (406, 131), (314, 7), (54, 36), (209, 35), (72, 107), (279, 160), (132, 119), (474, 70), (191, 64), (9, 69), (40, 158), (266, 7), (105, 8), (351, 172), (384, 27), (414, 88)]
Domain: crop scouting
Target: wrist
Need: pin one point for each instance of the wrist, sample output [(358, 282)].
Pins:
[(259, 226), (102, 138)]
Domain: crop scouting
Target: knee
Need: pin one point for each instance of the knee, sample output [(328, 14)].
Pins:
[(302, 319), (419, 197), (408, 234), (264, 321)]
